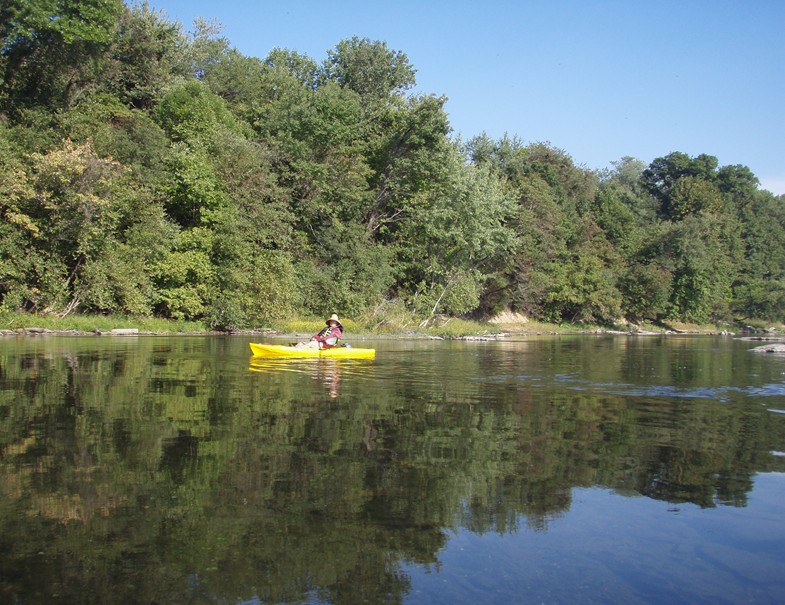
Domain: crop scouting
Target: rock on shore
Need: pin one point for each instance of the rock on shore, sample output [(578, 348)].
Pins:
[(770, 348)]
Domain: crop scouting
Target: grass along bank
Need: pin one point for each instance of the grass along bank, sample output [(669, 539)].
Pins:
[(15, 321), (372, 325), (367, 326)]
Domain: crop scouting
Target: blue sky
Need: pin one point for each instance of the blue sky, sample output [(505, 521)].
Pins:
[(599, 79)]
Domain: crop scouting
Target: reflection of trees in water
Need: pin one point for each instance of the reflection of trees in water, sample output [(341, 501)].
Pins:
[(156, 475)]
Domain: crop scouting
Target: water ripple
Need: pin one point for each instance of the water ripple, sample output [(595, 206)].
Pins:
[(574, 383)]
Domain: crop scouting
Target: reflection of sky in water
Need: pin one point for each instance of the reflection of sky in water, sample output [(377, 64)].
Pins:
[(719, 393), (608, 548), (632, 390)]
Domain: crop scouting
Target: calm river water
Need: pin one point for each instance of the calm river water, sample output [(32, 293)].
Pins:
[(586, 469)]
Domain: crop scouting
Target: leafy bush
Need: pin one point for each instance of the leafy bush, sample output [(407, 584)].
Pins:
[(254, 292)]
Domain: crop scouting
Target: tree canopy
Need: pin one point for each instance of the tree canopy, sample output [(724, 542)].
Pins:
[(148, 170)]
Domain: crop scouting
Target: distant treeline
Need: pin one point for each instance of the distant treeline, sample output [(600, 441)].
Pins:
[(149, 171)]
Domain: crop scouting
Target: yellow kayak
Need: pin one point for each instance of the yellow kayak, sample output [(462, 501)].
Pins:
[(268, 350)]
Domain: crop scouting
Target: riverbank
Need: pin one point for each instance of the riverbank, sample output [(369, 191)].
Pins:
[(22, 324)]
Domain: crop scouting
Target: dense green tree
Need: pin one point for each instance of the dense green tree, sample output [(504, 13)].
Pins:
[(286, 80), (185, 277), (193, 117), (346, 165), (692, 195), (207, 47), (543, 232), (144, 56), (453, 241), (713, 260), (613, 213), (662, 177), (646, 290), (370, 69), (738, 182), (20, 259), (130, 136), (344, 271), (190, 110), (582, 284), (628, 217), (760, 288), (150, 170), (407, 160), (703, 253), (325, 170), (254, 238), (48, 49), (71, 211), (565, 267)]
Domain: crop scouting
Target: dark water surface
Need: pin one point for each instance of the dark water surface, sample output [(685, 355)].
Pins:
[(546, 470)]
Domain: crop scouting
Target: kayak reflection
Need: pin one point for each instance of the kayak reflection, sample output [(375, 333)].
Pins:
[(327, 372)]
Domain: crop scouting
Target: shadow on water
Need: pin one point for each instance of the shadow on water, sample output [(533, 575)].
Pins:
[(175, 470)]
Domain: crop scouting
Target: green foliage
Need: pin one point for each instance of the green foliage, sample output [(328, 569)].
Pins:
[(458, 295), (146, 170), (759, 298), (565, 267), (49, 49), (30, 21), (646, 290), (408, 153), (69, 209), (117, 282), (143, 57), (191, 111), (453, 240), (15, 189), (738, 182), (704, 255), (195, 188), (347, 273), (257, 288), (256, 208), (692, 195), (27, 280), (370, 69), (185, 276), (762, 217), (613, 212), (129, 136), (580, 289), (76, 207), (661, 179)]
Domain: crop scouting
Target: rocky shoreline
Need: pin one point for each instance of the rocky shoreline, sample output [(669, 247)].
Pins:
[(113, 332), (747, 333)]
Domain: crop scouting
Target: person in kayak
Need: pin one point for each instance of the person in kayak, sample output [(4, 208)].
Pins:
[(327, 337)]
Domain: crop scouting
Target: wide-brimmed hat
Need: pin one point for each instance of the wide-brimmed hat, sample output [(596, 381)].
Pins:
[(334, 317)]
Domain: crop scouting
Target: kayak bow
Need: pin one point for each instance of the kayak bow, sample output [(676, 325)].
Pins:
[(269, 350)]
